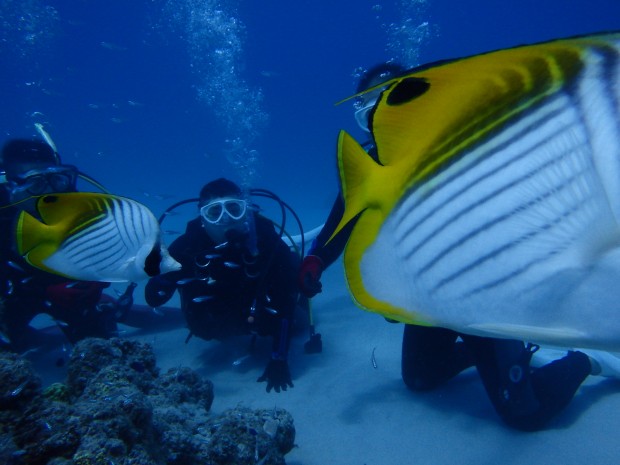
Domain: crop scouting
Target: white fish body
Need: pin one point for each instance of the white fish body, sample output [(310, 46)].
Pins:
[(518, 235), (526, 249)]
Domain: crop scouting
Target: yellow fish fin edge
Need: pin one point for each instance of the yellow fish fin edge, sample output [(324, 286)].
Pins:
[(362, 237)]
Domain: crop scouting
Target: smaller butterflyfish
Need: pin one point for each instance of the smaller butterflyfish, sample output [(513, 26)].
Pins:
[(93, 237)]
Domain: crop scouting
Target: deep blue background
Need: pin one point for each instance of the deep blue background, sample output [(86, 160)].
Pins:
[(116, 81)]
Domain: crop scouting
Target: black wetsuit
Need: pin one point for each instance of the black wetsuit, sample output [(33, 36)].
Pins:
[(27, 291), (229, 291), (525, 398)]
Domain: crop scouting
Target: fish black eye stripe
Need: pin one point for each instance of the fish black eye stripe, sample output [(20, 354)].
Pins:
[(407, 90)]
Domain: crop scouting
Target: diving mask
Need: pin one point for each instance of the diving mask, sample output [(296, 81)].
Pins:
[(362, 114), (42, 181), (213, 212)]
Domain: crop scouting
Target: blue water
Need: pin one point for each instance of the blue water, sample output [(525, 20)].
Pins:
[(155, 97)]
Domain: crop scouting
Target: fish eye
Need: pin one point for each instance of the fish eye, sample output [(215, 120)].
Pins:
[(50, 199), (407, 90)]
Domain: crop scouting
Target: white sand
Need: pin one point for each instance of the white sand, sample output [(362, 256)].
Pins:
[(347, 412)]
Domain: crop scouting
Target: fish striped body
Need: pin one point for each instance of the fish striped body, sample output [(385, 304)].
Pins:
[(106, 246), (501, 215), (94, 237)]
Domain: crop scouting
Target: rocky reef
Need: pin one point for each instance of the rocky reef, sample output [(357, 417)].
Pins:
[(117, 409)]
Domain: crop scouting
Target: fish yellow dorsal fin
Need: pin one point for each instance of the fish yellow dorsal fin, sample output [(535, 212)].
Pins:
[(433, 114), (71, 212)]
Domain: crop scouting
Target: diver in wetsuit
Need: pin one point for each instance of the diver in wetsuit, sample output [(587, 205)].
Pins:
[(33, 168), (525, 397), (237, 277)]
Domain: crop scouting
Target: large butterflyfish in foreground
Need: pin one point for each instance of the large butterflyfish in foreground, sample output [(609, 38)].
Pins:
[(93, 237), (494, 206)]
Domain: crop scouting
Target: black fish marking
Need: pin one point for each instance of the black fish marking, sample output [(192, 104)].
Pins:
[(407, 90), (153, 261), (50, 199)]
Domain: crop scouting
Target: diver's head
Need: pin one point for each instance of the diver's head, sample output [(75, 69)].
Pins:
[(370, 78), (32, 168), (223, 209)]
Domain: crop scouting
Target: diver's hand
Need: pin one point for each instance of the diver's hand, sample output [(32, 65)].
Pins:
[(277, 375), (309, 277), (159, 290)]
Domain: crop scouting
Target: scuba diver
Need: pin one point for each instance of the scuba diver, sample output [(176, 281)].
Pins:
[(238, 277), (527, 386), (321, 255), (31, 168)]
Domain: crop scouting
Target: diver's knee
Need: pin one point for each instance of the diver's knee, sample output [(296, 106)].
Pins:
[(526, 423), (417, 382)]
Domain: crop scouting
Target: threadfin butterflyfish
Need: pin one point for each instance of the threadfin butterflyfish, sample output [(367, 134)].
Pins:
[(93, 237), (493, 208)]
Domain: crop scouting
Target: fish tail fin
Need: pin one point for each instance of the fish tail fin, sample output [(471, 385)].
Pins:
[(355, 167), (29, 232), (35, 241)]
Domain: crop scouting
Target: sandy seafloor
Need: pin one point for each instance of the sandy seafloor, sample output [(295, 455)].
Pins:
[(347, 412)]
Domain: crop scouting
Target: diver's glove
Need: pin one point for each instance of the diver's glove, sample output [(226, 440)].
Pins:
[(309, 277), (159, 290), (277, 375)]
